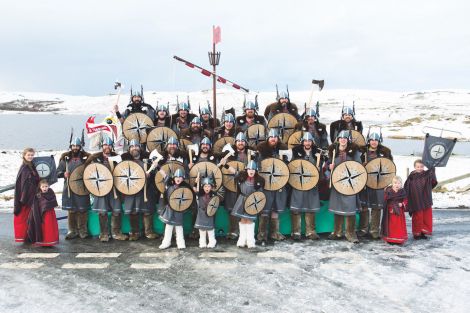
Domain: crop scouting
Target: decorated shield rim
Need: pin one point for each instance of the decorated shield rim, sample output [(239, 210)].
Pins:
[(314, 168), (344, 164), (109, 186), (392, 174)]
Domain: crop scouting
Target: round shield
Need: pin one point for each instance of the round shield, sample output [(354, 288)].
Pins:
[(135, 127), (129, 177), (284, 123), (212, 206), (228, 180), (349, 178), (254, 203), (275, 173), (158, 137), (357, 138), (303, 175), (98, 179), (206, 169), (181, 199), (184, 143), (294, 139), (255, 134), (380, 172), (169, 168), (75, 181), (221, 142)]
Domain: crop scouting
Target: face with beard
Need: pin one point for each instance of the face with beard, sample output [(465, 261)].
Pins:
[(195, 127), (311, 120), (134, 151), (183, 114), (136, 100), (308, 144), (205, 117), (106, 149), (172, 149), (240, 145), (273, 141), (205, 148), (283, 101), (161, 114), (75, 149), (250, 113), (347, 118)]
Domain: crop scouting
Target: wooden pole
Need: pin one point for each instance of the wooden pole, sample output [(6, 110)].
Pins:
[(214, 81)]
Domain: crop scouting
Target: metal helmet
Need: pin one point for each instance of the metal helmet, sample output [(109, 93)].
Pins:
[(207, 181), (173, 141), (204, 110), (183, 106), (163, 107), (229, 118), (374, 136), (252, 165), (179, 173), (134, 142), (241, 137), (283, 95), (348, 110), (196, 120), (273, 132), (107, 141), (77, 141), (306, 136), (311, 112), (206, 141), (344, 134), (249, 105)]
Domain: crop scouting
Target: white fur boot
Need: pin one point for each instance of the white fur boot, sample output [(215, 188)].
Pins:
[(166, 242), (202, 239), (180, 243), (212, 241), (242, 236), (250, 235)]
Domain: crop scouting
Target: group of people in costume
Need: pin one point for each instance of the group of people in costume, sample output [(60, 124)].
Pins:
[(192, 145)]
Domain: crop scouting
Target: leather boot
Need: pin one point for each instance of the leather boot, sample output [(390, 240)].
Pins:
[(296, 220), (375, 223), (134, 221), (274, 233), (148, 227), (116, 228), (104, 232), (310, 232), (363, 222), (337, 233), (233, 228), (350, 229), (72, 223), (262, 225), (83, 224)]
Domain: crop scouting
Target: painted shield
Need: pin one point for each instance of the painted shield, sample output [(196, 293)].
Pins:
[(76, 181), (135, 127), (380, 172), (358, 138), (294, 139), (221, 142), (284, 123), (228, 179), (254, 203), (206, 169), (255, 134), (129, 177), (212, 206), (98, 179), (184, 143), (169, 168), (349, 178), (303, 175), (181, 199), (158, 137), (275, 173)]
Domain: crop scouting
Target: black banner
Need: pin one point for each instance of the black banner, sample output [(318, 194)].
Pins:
[(437, 151), (45, 166)]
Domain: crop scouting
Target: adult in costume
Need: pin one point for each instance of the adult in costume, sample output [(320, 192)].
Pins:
[(136, 105), (205, 113), (163, 116), (282, 105), (195, 132), (347, 122), (182, 118), (250, 116), (311, 124)]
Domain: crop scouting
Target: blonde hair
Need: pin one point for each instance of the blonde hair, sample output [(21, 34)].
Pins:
[(418, 161), (43, 182), (397, 178), (26, 150)]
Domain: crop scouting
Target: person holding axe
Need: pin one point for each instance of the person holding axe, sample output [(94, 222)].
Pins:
[(136, 105), (311, 124), (195, 132), (76, 205)]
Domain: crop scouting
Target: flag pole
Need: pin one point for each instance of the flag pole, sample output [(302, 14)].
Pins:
[(214, 85)]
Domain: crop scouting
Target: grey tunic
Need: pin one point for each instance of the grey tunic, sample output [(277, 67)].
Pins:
[(170, 216), (305, 201), (246, 188), (107, 203), (72, 202), (276, 201), (203, 221), (341, 204), (372, 198), (230, 196)]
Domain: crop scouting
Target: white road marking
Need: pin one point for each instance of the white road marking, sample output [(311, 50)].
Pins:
[(85, 265), (215, 266), (21, 265), (218, 255), (149, 266), (166, 254), (276, 254), (38, 255), (98, 255)]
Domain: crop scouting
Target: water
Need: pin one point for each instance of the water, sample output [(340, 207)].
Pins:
[(52, 131)]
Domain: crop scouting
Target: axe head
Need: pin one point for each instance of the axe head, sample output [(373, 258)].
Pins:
[(251, 152), (194, 147), (116, 158), (287, 153), (228, 147), (155, 155)]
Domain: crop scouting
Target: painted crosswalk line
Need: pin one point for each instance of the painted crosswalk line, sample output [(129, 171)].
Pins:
[(98, 255), (38, 255), (149, 266), (218, 255), (21, 265), (165, 254), (85, 265)]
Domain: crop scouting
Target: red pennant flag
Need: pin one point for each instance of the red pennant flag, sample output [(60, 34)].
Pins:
[(206, 72), (216, 36)]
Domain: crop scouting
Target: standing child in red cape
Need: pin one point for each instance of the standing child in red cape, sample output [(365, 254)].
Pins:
[(42, 222), (418, 189), (26, 187), (393, 221)]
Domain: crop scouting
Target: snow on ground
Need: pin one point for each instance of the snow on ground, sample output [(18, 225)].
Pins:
[(454, 196), (401, 114)]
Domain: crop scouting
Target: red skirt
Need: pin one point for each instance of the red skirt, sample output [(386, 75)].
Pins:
[(50, 229), (396, 228), (20, 224), (421, 222)]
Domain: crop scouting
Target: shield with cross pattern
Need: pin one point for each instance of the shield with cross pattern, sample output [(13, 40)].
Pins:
[(98, 179), (349, 178), (303, 175), (135, 127), (380, 172), (275, 173), (181, 199)]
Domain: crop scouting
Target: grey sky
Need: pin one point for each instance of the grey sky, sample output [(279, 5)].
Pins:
[(80, 47)]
